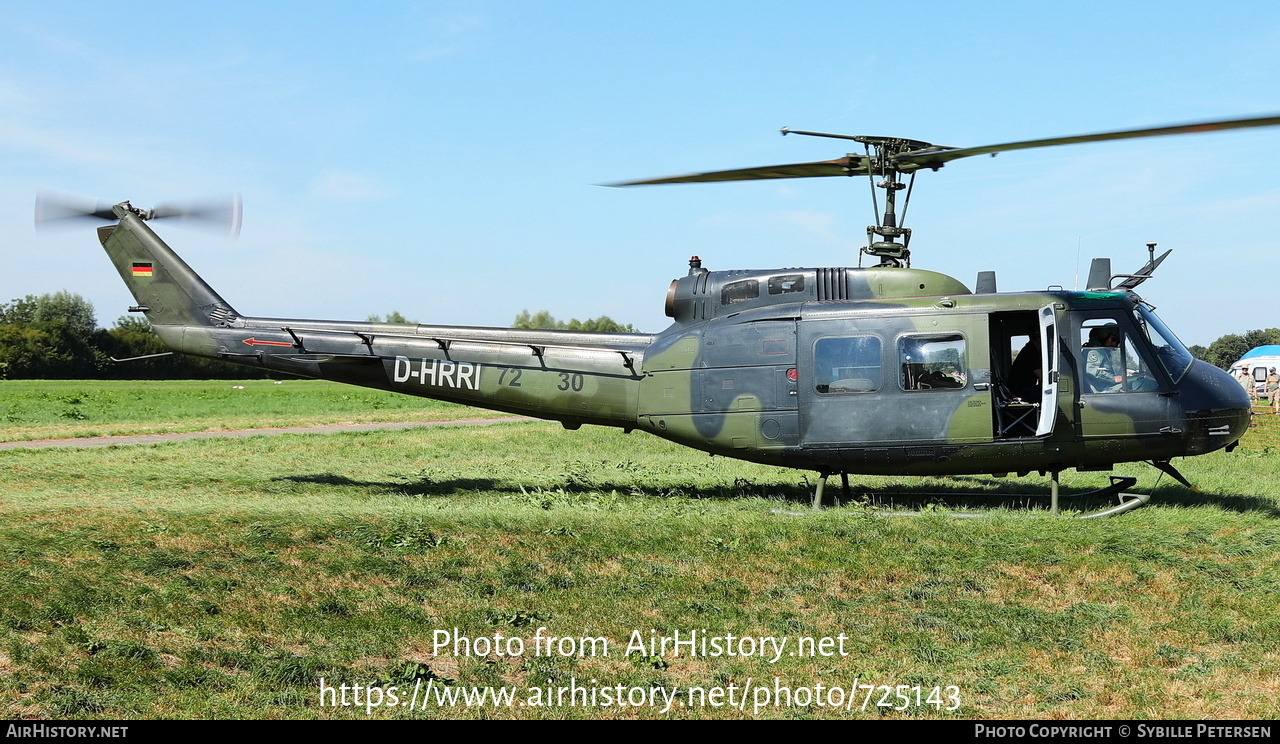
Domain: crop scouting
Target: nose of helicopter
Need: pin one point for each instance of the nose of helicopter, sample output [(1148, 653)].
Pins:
[(1217, 408)]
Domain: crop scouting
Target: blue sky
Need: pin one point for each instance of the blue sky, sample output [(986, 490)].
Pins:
[(443, 158)]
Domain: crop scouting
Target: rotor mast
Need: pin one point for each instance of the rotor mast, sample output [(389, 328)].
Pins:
[(890, 252), (881, 160)]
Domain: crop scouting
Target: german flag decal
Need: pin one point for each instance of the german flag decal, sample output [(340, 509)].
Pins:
[(142, 269)]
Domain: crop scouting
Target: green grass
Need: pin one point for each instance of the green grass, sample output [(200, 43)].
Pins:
[(47, 409), (224, 578)]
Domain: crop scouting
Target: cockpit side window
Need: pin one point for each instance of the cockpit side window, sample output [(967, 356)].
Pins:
[(1111, 360)]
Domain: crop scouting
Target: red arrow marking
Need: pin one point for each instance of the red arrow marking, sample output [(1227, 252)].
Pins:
[(256, 342)]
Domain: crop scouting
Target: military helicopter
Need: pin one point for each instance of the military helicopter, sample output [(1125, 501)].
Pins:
[(881, 370)]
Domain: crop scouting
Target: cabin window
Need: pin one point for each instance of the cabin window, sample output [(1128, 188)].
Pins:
[(747, 289), (933, 362), (847, 365), (786, 283)]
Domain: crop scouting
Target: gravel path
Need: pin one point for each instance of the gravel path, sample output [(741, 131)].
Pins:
[(318, 429)]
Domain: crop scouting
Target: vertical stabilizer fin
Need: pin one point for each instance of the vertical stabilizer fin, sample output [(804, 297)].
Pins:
[(165, 287)]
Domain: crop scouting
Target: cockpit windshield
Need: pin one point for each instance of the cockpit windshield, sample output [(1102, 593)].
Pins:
[(1173, 356)]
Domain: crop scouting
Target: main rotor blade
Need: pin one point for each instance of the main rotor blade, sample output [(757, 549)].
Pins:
[(852, 165), (932, 159)]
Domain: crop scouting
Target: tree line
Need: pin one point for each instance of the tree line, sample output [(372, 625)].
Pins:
[(56, 337), (541, 320), (544, 320), (1228, 349)]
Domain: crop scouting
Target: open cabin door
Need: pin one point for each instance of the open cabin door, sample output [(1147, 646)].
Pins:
[(1049, 363), (1026, 364)]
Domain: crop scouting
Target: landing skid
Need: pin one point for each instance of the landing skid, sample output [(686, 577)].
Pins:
[(1126, 501)]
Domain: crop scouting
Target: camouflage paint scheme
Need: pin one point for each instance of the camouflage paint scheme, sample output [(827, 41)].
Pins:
[(734, 375)]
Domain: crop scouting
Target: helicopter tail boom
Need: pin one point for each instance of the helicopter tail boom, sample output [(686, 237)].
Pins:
[(572, 377)]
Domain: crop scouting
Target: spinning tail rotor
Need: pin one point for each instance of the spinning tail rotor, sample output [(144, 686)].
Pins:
[(220, 215)]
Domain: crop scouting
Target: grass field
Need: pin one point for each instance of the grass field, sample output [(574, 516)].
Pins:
[(45, 409), (226, 577)]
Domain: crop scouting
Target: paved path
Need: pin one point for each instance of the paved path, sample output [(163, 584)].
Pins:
[(317, 429)]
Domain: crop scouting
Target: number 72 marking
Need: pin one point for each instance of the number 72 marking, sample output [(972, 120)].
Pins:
[(515, 377)]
